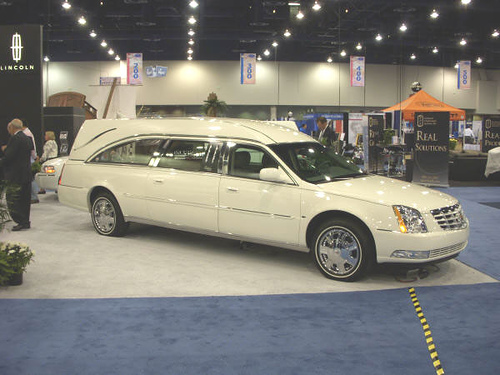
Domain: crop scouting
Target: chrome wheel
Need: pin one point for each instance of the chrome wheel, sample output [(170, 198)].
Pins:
[(103, 215), (342, 249)]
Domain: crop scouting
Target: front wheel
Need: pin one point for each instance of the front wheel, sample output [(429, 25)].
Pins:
[(107, 216), (342, 249)]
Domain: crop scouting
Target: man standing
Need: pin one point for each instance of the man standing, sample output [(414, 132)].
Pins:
[(326, 135), (17, 170)]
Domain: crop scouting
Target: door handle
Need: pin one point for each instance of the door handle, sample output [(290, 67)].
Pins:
[(232, 188)]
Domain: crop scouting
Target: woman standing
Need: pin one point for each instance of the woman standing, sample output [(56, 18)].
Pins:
[(49, 150)]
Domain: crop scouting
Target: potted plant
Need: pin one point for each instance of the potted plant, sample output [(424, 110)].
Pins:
[(14, 258), (213, 105)]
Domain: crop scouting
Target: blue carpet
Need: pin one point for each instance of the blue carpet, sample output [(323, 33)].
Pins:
[(483, 251), (342, 333)]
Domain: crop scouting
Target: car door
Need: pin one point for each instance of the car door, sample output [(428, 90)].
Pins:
[(183, 184), (253, 208)]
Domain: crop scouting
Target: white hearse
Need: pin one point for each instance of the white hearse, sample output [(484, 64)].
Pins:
[(258, 182)]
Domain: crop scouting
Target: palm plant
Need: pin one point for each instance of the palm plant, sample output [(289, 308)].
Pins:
[(213, 105)]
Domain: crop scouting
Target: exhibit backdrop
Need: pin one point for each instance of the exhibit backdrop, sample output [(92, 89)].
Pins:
[(431, 148), (491, 132), (21, 78)]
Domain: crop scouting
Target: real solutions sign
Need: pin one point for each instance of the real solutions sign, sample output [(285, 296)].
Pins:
[(491, 132), (431, 148), (20, 49)]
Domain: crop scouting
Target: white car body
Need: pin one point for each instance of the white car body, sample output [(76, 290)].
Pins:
[(275, 207), (48, 177)]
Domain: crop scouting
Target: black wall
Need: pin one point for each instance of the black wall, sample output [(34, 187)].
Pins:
[(21, 81)]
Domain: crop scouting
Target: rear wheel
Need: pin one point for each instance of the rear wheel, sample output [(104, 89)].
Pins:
[(342, 249), (107, 216)]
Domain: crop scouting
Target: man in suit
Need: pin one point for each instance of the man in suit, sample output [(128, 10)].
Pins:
[(17, 170), (326, 135)]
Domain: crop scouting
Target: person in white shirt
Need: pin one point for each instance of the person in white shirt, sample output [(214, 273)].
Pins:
[(469, 137), (50, 147)]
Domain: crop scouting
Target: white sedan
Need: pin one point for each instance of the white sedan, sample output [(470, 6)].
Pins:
[(48, 177)]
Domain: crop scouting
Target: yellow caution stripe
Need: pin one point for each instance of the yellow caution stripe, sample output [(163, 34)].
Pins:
[(427, 332)]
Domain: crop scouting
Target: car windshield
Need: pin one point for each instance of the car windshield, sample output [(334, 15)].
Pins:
[(315, 163)]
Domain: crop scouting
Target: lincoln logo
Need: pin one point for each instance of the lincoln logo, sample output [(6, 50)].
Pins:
[(17, 47)]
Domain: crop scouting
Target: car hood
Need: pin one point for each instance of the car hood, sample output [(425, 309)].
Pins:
[(387, 191)]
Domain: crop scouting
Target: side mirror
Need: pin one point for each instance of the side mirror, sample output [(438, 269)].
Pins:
[(274, 175)]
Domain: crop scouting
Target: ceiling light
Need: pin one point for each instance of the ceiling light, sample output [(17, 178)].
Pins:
[(466, 2), (287, 33), (117, 58), (82, 20), (329, 59), (111, 52), (434, 14), (495, 33), (191, 32), (193, 4), (479, 60), (190, 57), (456, 66), (435, 50), (266, 52), (378, 38), (293, 3), (46, 59), (359, 47), (343, 53), (300, 15), (463, 42), (275, 44), (259, 57), (66, 5), (316, 6), (191, 42), (192, 20), (403, 27), (104, 44), (190, 51), (413, 56), (93, 34)]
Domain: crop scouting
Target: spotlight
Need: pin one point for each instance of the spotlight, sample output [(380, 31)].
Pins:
[(479, 60), (111, 52), (413, 56), (434, 14), (259, 58), (466, 2), (190, 57), (266, 52), (275, 44), (191, 32), (104, 44), (191, 42), (92, 34), (463, 42), (82, 20), (46, 59), (300, 15), (359, 47), (403, 27), (117, 58), (193, 4), (192, 20), (378, 38), (495, 33), (435, 50), (287, 33), (66, 5), (329, 59), (316, 6), (343, 53), (190, 51)]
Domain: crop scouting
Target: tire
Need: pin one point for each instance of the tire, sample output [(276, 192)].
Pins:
[(342, 249), (107, 216)]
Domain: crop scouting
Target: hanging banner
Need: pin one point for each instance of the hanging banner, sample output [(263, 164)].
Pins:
[(431, 148), (357, 71), (491, 132), (248, 64), (134, 68), (464, 75)]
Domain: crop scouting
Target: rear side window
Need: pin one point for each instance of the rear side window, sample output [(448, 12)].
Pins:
[(191, 155), (135, 152)]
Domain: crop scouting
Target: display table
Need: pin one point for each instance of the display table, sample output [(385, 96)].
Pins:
[(493, 162), (469, 166)]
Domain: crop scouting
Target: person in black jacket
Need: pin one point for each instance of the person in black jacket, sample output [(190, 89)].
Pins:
[(326, 135), (17, 170)]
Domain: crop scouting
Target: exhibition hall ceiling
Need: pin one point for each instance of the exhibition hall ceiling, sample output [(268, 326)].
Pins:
[(438, 32)]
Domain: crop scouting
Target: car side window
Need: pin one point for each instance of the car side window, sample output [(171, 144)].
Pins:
[(191, 155), (135, 152), (247, 161)]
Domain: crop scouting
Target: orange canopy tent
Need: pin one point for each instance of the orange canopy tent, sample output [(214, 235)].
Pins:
[(423, 102)]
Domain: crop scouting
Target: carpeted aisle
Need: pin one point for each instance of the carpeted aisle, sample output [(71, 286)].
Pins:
[(338, 333)]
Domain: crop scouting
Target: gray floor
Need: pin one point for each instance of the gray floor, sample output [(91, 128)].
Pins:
[(73, 261)]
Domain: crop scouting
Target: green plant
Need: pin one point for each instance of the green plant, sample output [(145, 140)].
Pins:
[(14, 258), (453, 143), (213, 105), (4, 212), (388, 134), (36, 167)]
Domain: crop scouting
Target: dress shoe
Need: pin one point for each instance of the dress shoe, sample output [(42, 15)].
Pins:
[(20, 227), (35, 201)]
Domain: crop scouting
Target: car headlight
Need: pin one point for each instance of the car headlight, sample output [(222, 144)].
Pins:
[(409, 220)]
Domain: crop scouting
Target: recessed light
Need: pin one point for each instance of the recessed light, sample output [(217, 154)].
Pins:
[(434, 14), (300, 15), (403, 27), (82, 20), (66, 5), (193, 4), (316, 6)]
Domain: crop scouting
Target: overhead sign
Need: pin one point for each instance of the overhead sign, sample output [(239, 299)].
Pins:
[(248, 64), (156, 71), (431, 148), (464, 75), (491, 132), (357, 71), (20, 50), (134, 68)]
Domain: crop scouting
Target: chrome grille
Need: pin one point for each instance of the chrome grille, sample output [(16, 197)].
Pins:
[(450, 218), (447, 250)]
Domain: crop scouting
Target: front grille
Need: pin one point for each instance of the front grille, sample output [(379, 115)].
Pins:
[(447, 250), (450, 218)]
